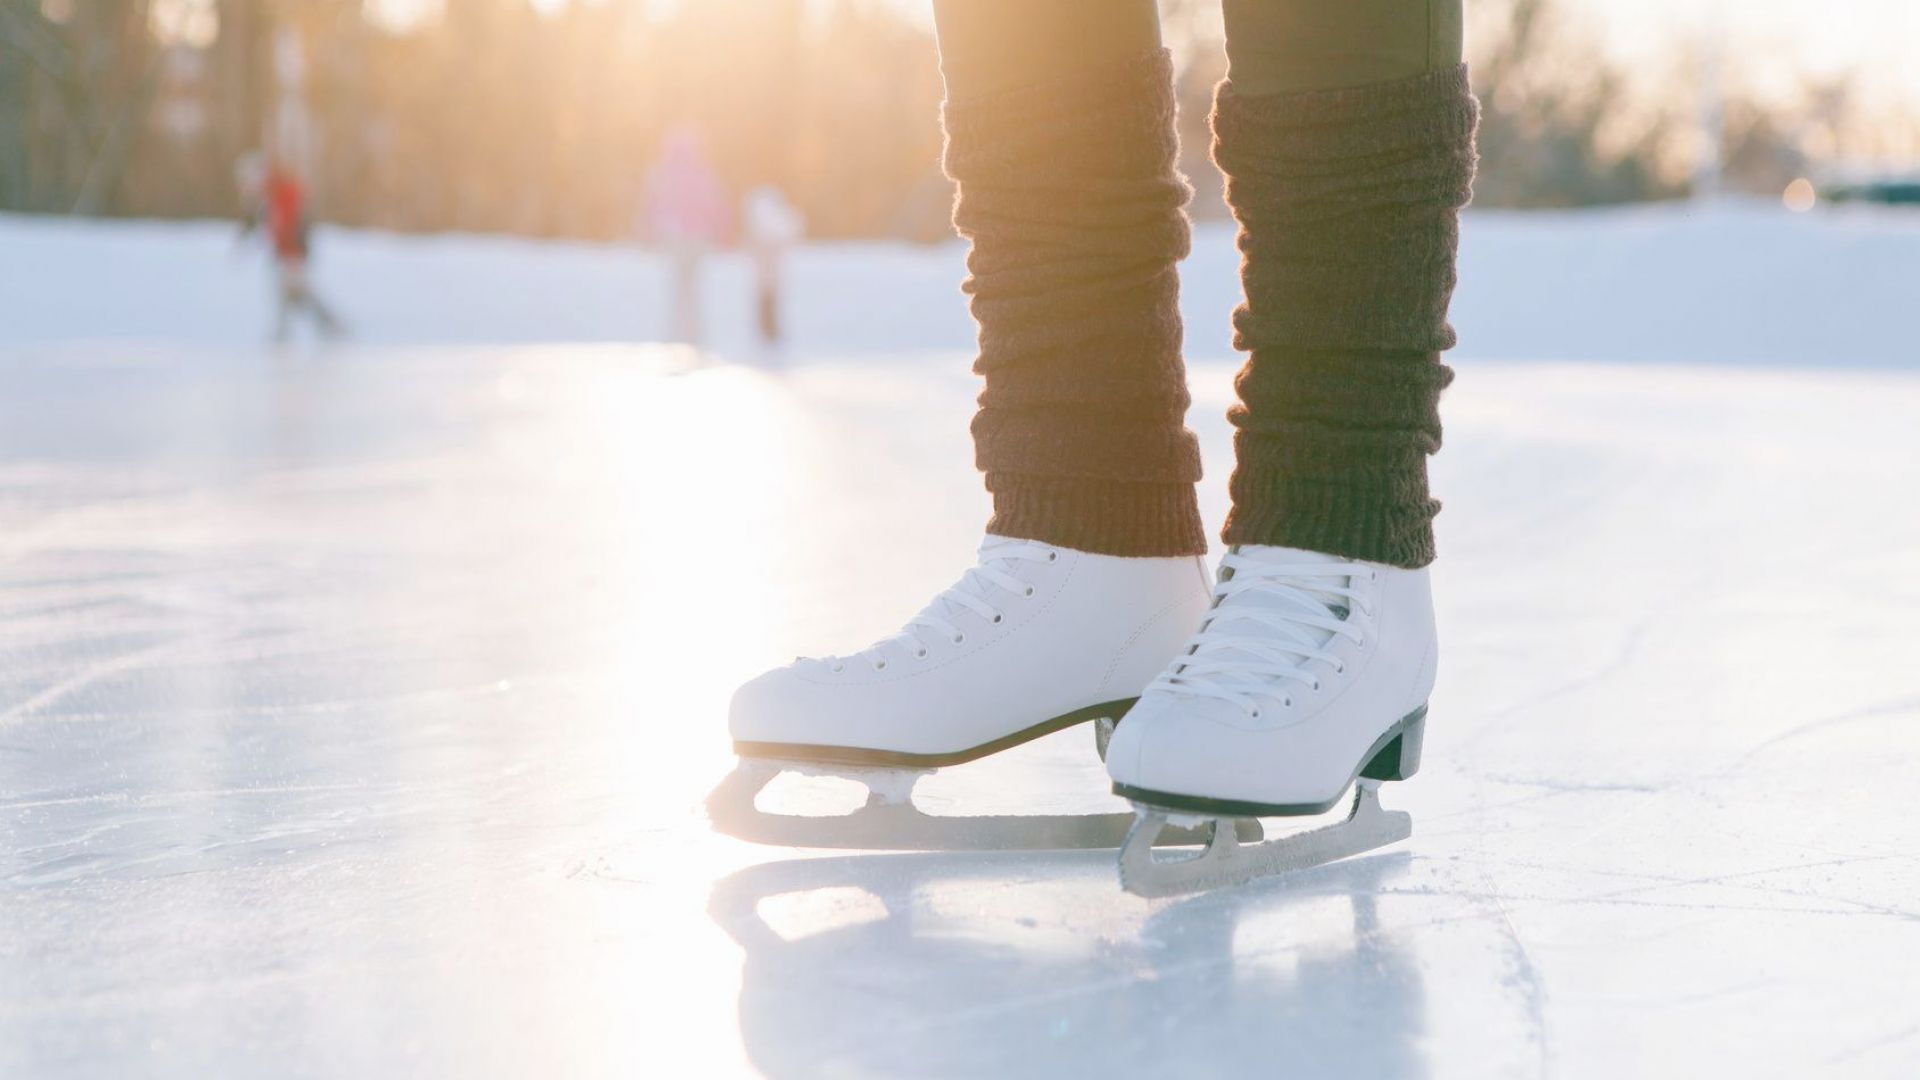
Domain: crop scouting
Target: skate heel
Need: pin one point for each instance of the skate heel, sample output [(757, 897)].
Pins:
[(1400, 758)]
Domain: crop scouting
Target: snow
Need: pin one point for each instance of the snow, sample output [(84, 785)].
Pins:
[(1733, 283), (356, 704)]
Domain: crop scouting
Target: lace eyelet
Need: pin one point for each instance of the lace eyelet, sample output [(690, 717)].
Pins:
[(1053, 556), (959, 639), (1316, 686), (881, 666), (1255, 714), (921, 655), (837, 669), (1287, 702), (1340, 668), (1029, 590), (998, 619)]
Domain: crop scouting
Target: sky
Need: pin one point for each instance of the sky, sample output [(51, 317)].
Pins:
[(1877, 40)]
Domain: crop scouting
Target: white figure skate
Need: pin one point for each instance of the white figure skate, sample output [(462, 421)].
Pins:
[(1310, 675), (1033, 639)]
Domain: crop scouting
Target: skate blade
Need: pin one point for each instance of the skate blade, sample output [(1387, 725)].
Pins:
[(890, 822), (1226, 861)]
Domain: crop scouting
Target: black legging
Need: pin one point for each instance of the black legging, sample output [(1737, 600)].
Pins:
[(1273, 46), (1345, 132)]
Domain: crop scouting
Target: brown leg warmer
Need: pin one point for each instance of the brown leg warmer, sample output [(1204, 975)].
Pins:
[(1348, 204), (1069, 194)]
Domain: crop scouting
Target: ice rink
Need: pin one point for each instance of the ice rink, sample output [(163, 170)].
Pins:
[(356, 707)]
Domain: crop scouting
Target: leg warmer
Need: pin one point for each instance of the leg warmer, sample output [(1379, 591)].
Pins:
[(1348, 206), (1070, 197)]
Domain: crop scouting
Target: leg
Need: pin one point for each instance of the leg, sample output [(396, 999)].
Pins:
[(769, 308), (766, 274), (288, 279), (323, 316), (1290, 46), (686, 293), (1345, 131), (1060, 137), (989, 47)]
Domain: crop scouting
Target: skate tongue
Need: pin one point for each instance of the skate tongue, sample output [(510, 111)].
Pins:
[(989, 543), (991, 548), (1281, 556), (944, 608), (1295, 558)]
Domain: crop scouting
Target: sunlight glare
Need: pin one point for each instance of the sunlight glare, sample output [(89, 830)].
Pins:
[(1799, 196)]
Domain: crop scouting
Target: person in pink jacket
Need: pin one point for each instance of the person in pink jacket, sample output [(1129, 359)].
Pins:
[(687, 212)]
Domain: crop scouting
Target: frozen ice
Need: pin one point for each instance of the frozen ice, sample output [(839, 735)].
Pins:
[(356, 706)]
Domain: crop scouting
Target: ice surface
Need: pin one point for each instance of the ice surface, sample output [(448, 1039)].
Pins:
[(356, 706)]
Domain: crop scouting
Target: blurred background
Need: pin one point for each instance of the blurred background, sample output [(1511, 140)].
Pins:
[(541, 117)]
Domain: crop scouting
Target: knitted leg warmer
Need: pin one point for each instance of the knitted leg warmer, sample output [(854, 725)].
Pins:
[(1348, 202), (1069, 195)]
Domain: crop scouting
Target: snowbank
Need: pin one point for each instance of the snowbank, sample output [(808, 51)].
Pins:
[(1727, 284)]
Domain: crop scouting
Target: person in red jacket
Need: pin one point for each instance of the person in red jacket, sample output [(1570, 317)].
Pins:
[(278, 199)]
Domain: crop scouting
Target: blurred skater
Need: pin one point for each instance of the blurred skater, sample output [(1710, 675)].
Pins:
[(686, 215), (276, 198), (771, 225)]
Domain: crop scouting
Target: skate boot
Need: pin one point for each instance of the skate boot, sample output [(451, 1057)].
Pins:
[(1310, 675), (1034, 638)]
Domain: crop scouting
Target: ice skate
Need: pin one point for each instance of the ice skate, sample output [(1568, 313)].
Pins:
[(1309, 676), (1034, 638)]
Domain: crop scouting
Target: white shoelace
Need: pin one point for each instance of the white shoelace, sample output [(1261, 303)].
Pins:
[(1269, 621), (973, 592)]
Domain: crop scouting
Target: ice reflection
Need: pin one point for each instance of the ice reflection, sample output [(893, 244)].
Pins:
[(895, 964)]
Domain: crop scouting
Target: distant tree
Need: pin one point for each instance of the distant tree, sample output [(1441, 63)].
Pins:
[(80, 77), (495, 115), (1554, 126)]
